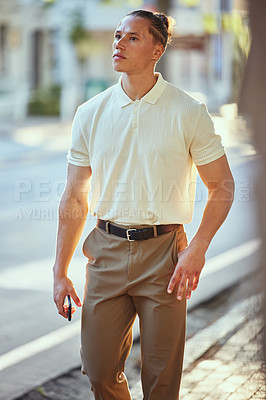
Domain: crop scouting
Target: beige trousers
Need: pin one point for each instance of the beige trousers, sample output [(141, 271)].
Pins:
[(125, 279)]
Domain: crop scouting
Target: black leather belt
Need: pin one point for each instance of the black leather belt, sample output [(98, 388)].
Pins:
[(132, 234)]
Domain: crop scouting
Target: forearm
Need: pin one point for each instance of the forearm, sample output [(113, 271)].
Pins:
[(218, 178), (72, 218), (215, 212), (192, 259)]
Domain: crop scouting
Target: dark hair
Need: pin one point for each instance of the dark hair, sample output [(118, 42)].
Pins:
[(160, 27)]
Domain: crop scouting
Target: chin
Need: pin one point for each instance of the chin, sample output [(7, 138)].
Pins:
[(118, 68)]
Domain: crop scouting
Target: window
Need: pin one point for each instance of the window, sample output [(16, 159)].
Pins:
[(3, 48), (226, 5)]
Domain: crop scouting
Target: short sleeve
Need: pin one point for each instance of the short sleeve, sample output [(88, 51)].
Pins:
[(78, 153), (206, 145)]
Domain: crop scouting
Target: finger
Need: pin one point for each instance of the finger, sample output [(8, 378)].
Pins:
[(73, 310), (75, 298), (189, 287), (62, 306), (65, 308), (59, 301), (181, 287), (195, 282), (62, 311), (173, 281)]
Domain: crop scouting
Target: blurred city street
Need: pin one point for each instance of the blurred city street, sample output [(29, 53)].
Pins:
[(54, 55), (36, 344)]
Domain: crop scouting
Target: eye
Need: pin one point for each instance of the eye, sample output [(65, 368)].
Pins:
[(117, 36), (133, 38)]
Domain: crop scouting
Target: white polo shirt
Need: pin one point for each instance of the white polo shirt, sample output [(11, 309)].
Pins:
[(143, 153)]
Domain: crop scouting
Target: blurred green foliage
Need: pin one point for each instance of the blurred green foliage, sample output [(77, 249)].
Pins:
[(41, 391), (45, 102), (48, 3), (241, 46), (78, 31), (189, 3)]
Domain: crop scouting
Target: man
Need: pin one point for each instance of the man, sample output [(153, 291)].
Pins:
[(135, 147)]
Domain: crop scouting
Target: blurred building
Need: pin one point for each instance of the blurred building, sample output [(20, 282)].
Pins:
[(67, 44), (204, 57)]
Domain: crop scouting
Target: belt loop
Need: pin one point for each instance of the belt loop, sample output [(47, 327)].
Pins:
[(154, 230), (107, 226)]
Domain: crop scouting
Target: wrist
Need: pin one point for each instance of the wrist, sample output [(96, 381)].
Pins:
[(59, 272), (200, 243)]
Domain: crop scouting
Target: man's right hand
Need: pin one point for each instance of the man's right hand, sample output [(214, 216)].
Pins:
[(62, 287), (73, 210)]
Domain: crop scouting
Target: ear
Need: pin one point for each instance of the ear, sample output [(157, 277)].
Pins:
[(158, 52)]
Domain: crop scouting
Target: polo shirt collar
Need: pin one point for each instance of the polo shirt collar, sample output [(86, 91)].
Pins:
[(151, 97)]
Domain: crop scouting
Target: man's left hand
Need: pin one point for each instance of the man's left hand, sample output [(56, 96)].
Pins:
[(187, 271)]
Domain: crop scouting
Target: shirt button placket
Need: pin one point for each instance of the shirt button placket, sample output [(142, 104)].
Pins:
[(135, 117)]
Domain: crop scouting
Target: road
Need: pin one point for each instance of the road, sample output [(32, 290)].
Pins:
[(36, 344)]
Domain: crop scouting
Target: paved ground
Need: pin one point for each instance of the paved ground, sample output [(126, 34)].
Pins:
[(223, 357), (230, 370)]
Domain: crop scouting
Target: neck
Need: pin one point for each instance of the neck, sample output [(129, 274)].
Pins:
[(136, 86)]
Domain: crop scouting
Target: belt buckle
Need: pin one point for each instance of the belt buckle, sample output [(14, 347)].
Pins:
[(128, 234)]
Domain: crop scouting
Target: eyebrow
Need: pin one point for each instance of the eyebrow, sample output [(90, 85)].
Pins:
[(129, 33)]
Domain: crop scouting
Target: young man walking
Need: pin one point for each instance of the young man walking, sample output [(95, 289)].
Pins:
[(135, 149)]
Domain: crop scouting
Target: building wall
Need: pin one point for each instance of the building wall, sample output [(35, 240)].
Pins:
[(27, 24), (197, 62)]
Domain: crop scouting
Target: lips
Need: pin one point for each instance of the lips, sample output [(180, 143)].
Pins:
[(118, 56)]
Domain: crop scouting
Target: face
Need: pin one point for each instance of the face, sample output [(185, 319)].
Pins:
[(134, 48)]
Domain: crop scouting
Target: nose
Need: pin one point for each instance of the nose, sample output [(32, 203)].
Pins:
[(120, 43)]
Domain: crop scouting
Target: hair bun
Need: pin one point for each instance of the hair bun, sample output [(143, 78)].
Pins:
[(164, 19), (169, 23)]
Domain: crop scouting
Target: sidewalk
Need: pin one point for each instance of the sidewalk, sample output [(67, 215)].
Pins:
[(223, 358), (234, 372), (34, 140)]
